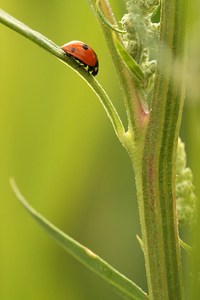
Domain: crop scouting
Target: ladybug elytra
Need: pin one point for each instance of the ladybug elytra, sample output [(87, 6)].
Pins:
[(84, 54)]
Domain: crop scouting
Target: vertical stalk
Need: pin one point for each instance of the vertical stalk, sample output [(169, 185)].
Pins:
[(156, 174), (136, 114)]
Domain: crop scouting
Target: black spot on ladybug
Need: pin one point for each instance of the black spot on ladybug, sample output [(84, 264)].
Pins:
[(73, 50), (85, 47)]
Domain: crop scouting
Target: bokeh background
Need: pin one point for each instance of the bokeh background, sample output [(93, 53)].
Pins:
[(57, 142)]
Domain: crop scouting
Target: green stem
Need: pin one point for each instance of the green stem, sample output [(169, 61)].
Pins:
[(156, 174), (110, 110), (153, 153), (31, 34), (136, 114), (127, 289), (54, 49)]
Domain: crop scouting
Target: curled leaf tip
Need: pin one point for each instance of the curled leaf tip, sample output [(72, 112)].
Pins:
[(106, 22)]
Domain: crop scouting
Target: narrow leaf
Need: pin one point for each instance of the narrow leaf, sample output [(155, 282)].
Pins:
[(185, 246), (128, 60), (105, 21), (126, 288)]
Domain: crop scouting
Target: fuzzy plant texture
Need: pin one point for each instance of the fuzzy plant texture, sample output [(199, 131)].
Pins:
[(185, 197), (141, 42), (142, 36)]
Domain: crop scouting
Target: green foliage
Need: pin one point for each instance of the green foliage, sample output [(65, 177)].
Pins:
[(185, 197)]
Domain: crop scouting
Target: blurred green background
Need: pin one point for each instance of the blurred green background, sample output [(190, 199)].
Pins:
[(57, 142)]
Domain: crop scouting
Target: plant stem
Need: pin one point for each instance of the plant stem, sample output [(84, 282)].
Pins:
[(31, 34), (54, 49), (136, 114), (155, 177), (152, 146)]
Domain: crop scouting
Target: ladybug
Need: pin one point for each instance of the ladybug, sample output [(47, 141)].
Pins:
[(84, 54)]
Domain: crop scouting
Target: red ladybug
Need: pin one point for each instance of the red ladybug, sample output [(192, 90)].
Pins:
[(84, 54)]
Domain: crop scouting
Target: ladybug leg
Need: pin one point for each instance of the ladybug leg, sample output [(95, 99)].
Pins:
[(68, 54), (89, 69), (80, 65)]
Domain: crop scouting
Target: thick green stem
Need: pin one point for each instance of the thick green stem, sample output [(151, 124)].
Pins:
[(156, 174), (153, 153)]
